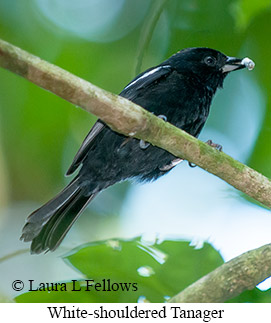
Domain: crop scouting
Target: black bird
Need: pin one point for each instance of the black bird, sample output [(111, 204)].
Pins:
[(180, 91)]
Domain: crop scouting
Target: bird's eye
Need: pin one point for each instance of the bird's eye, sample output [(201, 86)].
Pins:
[(210, 61)]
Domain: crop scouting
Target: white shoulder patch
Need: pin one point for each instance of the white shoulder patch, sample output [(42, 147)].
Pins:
[(146, 75)]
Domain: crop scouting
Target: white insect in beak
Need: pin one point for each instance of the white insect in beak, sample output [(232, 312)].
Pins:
[(249, 64), (233, 63)]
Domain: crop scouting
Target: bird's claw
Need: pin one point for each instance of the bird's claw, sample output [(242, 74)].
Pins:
[(192, 165), (214, 145), (172, 164), (143, 144), (161, 116)]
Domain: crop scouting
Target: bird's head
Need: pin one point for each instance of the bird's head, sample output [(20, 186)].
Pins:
[(209, 66)]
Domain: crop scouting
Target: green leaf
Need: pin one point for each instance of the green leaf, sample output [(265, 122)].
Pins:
[(253, 296), (149, 272)]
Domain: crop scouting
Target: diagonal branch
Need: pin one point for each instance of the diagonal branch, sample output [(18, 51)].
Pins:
[(129, 119), (230, 279)]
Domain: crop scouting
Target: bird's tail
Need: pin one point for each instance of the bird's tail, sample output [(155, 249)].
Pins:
[(47, 226)]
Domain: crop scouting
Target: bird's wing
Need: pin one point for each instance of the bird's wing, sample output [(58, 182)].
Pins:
[(84, 148), (145, 79), (130, 92)]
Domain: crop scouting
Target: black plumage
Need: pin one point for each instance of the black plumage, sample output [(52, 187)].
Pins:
[(180, 89)]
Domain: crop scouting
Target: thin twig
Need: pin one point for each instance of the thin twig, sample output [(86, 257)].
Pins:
[(13, 254)]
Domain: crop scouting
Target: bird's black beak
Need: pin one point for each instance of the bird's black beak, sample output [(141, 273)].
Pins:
[(233, 64)]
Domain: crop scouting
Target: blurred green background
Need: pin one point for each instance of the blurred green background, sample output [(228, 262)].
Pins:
[(107, 43)]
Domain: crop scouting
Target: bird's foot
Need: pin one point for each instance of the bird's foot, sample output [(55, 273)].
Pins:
[(212, 144), (172, 164), (143, 144), (192, 165), (161, 116)]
